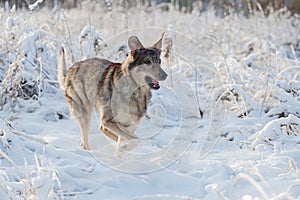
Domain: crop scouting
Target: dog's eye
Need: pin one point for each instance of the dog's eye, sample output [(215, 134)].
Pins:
[(147, 62)]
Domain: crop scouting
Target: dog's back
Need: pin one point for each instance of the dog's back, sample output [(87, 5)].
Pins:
[(81, 80)]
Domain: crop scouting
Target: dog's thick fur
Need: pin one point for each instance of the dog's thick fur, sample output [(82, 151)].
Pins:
[(120, 92)]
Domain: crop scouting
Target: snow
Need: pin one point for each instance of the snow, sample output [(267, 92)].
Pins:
[(241, 73), (34, 5)]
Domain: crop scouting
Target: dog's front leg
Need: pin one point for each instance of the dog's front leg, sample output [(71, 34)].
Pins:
[(116, 132), (108, 133)]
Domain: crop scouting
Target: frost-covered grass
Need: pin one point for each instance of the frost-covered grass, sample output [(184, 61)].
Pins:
[(242, 73)]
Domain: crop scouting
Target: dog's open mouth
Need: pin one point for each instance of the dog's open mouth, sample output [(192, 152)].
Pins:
[(152, 83)]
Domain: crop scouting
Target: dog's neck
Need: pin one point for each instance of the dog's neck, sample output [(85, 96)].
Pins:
[(125, 65), (125, 69)]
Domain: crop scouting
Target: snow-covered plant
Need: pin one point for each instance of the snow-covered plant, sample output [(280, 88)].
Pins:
[(91, 43)]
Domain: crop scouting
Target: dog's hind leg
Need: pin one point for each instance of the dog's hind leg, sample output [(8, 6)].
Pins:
[(84, 123), (82, 115)]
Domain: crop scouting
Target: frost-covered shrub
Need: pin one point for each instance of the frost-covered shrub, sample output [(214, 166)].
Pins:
[(27, 59), (32, 182), (16, 85), (91, 43)]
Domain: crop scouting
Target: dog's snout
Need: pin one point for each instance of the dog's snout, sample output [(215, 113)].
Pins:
[(162, 75), (159, 73)]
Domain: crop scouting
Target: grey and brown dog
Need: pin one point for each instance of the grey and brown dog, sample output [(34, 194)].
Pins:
[(120, 92)]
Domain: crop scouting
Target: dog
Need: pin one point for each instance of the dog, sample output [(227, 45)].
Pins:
[(119, 92)]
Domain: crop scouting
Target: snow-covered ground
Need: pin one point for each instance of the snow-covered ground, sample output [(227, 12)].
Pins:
[(242, 74)]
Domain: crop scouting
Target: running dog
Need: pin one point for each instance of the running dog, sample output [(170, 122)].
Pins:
[(120, 92)]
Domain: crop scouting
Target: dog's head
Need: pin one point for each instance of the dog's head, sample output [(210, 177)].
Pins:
[(144, 65)]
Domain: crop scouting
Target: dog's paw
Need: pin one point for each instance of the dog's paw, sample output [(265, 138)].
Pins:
[(85, 147), (128, 145)]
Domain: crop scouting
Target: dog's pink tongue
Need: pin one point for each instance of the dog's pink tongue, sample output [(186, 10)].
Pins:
[(155, 83)]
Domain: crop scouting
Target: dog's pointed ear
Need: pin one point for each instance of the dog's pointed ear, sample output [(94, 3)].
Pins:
[(134, 43), (158, 44)]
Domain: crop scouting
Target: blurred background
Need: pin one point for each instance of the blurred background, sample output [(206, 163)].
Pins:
[(222, 7)]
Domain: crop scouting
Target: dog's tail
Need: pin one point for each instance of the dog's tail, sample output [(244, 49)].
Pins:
[(62, 70)]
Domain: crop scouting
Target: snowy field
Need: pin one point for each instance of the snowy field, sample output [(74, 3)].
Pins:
[(242, 74)]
